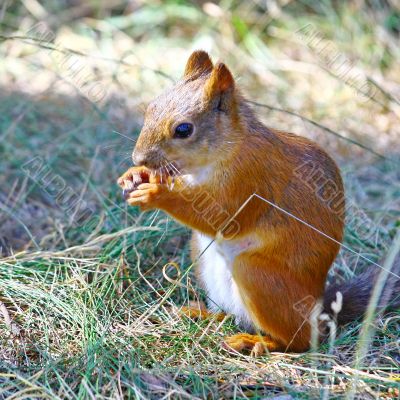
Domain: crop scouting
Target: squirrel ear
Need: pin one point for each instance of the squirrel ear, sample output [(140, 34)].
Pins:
[(197, 64), (220, 85)]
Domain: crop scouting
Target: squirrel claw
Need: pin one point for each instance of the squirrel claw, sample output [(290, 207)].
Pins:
[(125, 193)]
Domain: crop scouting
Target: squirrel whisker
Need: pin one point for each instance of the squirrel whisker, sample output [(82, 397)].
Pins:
[(174, 168)]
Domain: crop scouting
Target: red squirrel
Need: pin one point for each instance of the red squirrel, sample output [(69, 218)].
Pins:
[(204, 158)]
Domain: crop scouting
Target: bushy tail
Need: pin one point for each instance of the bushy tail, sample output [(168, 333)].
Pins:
[(357, 294)]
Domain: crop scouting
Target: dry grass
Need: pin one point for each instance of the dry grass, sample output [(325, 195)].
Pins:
[(85, 310)]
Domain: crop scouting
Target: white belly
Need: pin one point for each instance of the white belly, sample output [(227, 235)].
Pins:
[(216, 274)]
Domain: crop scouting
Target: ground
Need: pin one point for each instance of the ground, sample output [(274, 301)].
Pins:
[(88, 298)]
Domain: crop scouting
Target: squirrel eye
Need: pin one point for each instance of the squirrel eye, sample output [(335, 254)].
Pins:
[(183, 130)]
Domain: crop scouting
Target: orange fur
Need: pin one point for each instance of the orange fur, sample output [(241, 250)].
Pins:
[(200, 313), (197, 64), (288, 261)]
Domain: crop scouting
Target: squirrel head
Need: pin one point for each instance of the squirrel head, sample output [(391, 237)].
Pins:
[(191, 124)]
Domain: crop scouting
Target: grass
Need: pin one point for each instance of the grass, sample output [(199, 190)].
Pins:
[(92, 312)]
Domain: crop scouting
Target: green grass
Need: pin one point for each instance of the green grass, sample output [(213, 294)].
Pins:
[(92, 313)]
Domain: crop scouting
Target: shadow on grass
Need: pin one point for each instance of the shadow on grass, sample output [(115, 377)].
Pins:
[(60, 160)]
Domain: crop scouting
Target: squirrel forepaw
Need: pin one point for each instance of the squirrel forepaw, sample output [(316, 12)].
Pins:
[(142, 187), (132, 178), (147, 195)]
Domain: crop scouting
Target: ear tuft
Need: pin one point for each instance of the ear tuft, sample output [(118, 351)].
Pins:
[(197, 64), (220, 81), (223, 77)]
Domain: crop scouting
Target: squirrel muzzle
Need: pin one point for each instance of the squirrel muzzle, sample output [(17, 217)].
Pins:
[(150, 158)]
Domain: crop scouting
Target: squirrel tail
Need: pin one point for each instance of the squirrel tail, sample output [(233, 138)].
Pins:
[(357, 293)]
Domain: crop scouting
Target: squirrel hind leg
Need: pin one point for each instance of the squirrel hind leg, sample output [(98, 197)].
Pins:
[(256, 344), (198, 311)]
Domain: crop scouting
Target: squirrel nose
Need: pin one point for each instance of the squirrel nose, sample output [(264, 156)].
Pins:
[(138, 158), (148, 158)]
